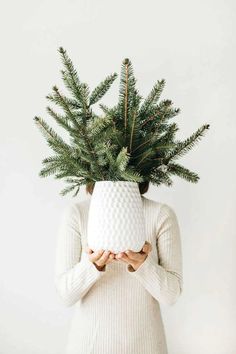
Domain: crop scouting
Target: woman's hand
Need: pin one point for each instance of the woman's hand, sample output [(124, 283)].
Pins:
[(135, 259), (100, 258)]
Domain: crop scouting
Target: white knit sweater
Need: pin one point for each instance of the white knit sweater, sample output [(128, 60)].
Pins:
[(118, 310)]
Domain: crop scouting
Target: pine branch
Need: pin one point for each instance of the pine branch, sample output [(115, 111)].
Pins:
[(50, 159), (71, 78), (183, 172), (61, 100), (101, 89), (75, 184), (169, 134), (67, 189), (153, 97), (61, 120), (153, 140), (130, 175), (126, 91), (132, 130), (184, 146), (158, 177), (53, 139), (71, 103), (59, 166), (154, 150), (134, 122), (92, 153), (49, 170), (97, 125), (144, 156), (110, 112), (126, 94), (122, 159)]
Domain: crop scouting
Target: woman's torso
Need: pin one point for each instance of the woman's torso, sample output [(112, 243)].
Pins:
[(118, 315)]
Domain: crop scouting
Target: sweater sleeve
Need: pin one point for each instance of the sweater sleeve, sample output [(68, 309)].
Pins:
[(74, 275), (163, 279)]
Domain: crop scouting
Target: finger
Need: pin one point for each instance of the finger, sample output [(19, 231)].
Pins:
[(88, 250), (135, 256), (96, 255), (119, 255), (111, 258), (147, 247), (122, 257), (114, 254), (103, 259)]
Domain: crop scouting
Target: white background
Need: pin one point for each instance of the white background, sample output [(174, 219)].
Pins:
[(192, 45)]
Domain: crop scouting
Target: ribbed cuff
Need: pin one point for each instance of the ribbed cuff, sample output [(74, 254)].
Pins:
[(142, 268), (91, 268), (100, 270)]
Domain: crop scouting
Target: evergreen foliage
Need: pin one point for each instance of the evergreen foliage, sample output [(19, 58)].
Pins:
[(132, 141)]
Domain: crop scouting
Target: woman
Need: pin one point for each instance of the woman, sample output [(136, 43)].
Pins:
[(117, 298)]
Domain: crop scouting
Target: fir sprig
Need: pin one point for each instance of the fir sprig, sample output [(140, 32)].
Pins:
[(101, 89)]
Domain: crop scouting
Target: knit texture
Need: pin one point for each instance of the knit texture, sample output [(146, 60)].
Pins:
[(118, 310)]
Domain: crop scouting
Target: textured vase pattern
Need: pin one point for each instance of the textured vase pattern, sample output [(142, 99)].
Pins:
[(116, 218)]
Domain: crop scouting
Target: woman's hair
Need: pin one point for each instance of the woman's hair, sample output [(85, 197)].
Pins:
[(143, 187)]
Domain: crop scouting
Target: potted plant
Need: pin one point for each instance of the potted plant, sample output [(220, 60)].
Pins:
[(132, 142)]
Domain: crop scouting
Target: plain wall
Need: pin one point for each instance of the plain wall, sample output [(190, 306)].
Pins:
[(192, 45)]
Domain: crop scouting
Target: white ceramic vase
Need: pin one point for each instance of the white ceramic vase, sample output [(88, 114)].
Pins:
[(116, 219)]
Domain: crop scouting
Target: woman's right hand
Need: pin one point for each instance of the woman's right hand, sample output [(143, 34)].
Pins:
[(100, 258)]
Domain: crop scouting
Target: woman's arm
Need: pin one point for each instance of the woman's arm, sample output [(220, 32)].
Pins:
[(74, 275), (164, 281)]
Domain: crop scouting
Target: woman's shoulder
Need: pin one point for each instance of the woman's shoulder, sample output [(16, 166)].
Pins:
[(161, 208), (74, 207)]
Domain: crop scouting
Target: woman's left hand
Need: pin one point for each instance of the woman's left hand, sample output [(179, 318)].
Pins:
[(135, 259)]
